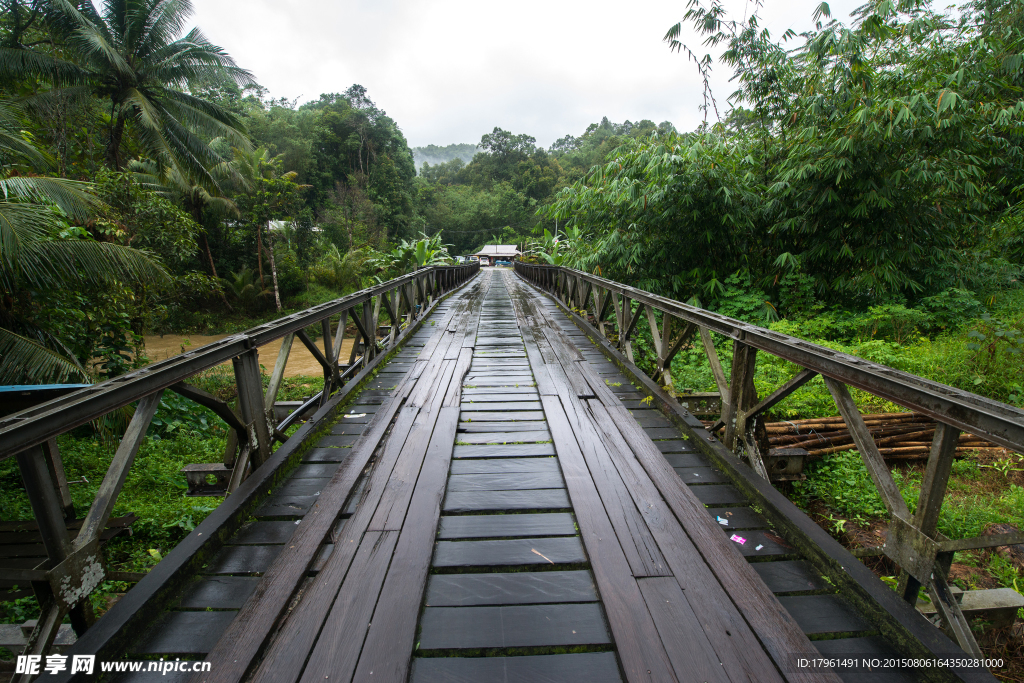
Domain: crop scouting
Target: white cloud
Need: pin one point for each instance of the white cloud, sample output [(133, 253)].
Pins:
[(451, 70)]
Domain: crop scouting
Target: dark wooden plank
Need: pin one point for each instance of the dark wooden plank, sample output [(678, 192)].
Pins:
[(537, 499), (398, 606), (514, 416), (337, 649), (505, 451), (687, 459), (516, 551), (507, 526), (302, 487), (651, 418), (285, 506), (502, 465), (364, 407), (692, 655), (771, 545), (348, 427), (298, 634), (498, 377), (700, 475), (315, 471), (823, 614), (505, 437), (337, 441), (739, 517), (732, 640), (589, 667), (635, 538), (248, 633), (517, 481), (513, 626), (789, 576), (517, 588), (321, 558), (263, 533), (530, 403), (400, 484), (486, 426), (775, 629), (675, 446), (326, 455), (218, 592), (662, 432), (243, 559), (521, 393), (182, 633), (640, 649), (718, 494)]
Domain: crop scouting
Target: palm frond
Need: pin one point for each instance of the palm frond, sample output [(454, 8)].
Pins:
[(19, 63), (25, 361), (75, 198), (80, 260)]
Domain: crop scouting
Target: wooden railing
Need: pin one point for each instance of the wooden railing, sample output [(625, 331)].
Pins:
[(923, 553), (75, 565)]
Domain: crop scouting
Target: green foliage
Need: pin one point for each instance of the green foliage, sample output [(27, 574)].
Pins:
[(842, 482), (154, 490), (178, 415), (245, 287)]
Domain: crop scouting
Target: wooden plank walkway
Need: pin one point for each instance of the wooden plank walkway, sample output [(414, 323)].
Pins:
[(500, 505)]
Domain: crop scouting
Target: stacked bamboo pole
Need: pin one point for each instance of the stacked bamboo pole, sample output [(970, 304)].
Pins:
[(898, 436)]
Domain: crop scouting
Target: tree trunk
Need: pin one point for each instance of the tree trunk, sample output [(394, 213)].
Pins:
[(114, 143), (273, 271), (213, 269), (259, 253)]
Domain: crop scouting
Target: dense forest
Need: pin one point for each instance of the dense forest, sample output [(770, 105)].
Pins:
[(862, 187), (136, 152)]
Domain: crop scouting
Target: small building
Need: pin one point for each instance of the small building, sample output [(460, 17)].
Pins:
[(497, 252)]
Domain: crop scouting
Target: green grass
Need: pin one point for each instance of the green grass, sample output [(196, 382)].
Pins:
[(154, 491)]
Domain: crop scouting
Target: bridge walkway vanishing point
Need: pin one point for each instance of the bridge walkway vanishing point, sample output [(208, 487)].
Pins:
[(500, 504)]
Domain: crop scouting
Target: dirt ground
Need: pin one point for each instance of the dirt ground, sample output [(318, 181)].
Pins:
[(300, 360)]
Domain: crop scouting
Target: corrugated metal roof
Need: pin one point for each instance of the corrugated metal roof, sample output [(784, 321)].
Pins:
[(498, 250)]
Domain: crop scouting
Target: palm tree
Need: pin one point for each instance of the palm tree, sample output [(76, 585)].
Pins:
[(131, 56), (32, 210), (272, 194), (171, 183)]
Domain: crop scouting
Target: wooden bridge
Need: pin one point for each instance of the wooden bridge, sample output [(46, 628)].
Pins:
[(499, 494)]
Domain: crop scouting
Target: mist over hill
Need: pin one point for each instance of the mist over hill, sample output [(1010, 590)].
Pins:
[(435, 154)]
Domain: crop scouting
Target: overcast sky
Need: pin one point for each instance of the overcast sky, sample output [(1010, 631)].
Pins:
[(451, 70)]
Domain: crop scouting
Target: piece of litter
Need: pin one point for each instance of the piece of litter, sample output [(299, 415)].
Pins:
[(695, 474), (536, 553), (728, 514), (356, 415), (723, 521), (758, 547), (738, 539), (297, 521)]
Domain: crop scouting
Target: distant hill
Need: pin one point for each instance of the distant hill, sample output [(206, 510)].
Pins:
[(433, 154)]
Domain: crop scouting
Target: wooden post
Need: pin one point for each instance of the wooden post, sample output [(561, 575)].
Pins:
[(250, 405), (666, 348), (60, 480), (332, 358), (113, 481), (46, 508), (933, 489), (865, 443), (718, 372), (743, 397), (278, 375)]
